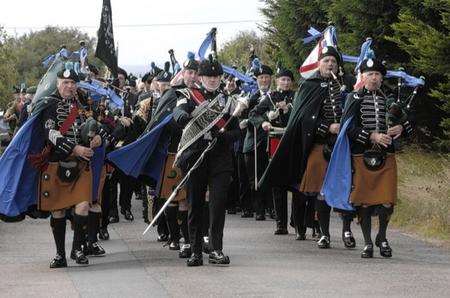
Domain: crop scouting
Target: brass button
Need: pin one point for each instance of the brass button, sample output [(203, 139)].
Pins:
[(46, 176), (46, 194)]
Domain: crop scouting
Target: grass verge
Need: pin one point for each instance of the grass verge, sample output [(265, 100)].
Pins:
[(424, 194)]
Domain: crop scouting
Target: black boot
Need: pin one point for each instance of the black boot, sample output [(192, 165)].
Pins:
[(367, 252), (195, 260), (93, 247), (281, 229), (385, 248), (127, 214), (217, 257), (78, 239), (324, 242), (365, 217), (384, 215), (185, 251), (103, 233), (347, 235), (58, 226), (58, 262), (174, 228), (247, 214), (323, 211)]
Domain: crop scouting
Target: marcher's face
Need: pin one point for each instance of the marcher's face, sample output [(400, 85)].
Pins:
[(327, 65), (264, 81), (231, 85), (210, 83), (163, 86), (189, 77), (121, 78), (372, 80), (284, 83), (67, 88)]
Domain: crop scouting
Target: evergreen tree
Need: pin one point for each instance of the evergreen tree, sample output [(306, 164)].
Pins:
[(8, 73), (423, 32)]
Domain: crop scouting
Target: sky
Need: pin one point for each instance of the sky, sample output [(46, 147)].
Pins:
[(139, 44)]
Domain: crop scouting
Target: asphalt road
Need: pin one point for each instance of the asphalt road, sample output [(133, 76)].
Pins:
[(262, 265)]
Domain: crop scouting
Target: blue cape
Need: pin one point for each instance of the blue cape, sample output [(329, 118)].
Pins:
[(19, 180), (338, 179), (146, 155)]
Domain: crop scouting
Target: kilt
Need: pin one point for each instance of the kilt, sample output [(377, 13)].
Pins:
[(55, 194), (316, 169), (170, 177), (374, 187)]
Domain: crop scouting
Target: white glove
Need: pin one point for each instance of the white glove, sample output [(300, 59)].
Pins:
[(240, 107), (266, 125), (125, 121), (272, 115), (243, 124), (282, 105)]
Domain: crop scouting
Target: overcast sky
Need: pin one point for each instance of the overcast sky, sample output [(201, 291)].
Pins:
[(138, 45)]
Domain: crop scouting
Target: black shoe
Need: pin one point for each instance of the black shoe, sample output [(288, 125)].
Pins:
[(217, 257), (231, 210), (185, 251), (349, 240), (367, 251), (385, 248), (174, 245), (93, 249), (103, 234), (260, 217), (324, 242), (281, 231), (195, 260), (247, 214), (58, 262), (300, 235), (163, 238), (127, 214), (113, 219), (271, 213), (79, 257)]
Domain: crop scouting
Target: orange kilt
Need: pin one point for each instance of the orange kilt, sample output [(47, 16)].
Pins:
[(316, 169), (170, 177), (56, 195), (374, 187)]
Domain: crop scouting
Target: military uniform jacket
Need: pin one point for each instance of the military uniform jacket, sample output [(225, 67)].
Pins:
[(53, 117), (259, 113), (370, 114), (289, 162), (221, 154), (261, 135)]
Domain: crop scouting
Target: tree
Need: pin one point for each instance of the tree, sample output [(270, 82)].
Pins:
[(287, 23), (237, 51), (422, 31), (31, 49), (8, 73)]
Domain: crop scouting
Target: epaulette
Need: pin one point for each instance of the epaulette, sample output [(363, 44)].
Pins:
[(183, 92)]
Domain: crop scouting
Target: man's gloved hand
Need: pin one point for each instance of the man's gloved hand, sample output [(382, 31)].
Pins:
[(243, 124), (272, 115), (266, 125)]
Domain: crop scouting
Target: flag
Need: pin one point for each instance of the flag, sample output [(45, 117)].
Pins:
[(311, 64), (105, 50)]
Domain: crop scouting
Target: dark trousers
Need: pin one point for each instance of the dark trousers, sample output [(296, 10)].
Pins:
[(303, 210), (111, 193), (245, 198), (217, 182), (233, 190), (281, 206), (261, 198), (127, 187)]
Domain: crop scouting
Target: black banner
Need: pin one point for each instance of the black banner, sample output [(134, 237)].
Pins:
[(105, 50)]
